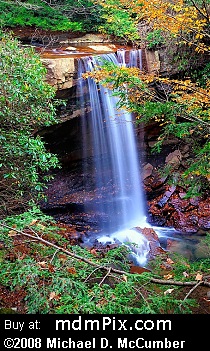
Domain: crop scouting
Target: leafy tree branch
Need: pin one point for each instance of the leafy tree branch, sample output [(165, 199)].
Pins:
[(26, 104)]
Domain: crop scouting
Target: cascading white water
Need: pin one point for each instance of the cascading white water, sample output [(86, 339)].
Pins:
[(110, 132)]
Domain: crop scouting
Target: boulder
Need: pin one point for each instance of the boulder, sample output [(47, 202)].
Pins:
[(147, 171), (174, 159)]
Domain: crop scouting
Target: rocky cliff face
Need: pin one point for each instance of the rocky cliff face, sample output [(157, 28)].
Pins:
[(61, 72)]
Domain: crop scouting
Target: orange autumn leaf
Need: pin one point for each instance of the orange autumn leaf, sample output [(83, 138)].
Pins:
[(125, 278), (54, 296), (102, 302), (94, 252), (71, 270), (62, 257), (51, 268), (169, 260), (22, 257), (199, 277), (168, 276), (34, 221), (42, 264)]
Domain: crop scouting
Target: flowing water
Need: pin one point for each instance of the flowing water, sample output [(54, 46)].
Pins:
[(113, 163), (110, 133)]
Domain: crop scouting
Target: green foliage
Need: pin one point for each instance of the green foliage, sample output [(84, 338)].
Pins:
[(37, 14), (57, 283), (202, 75), (67, 15), (155, 39), (119, 23), (85, 12), (34, 214), (26, 104)]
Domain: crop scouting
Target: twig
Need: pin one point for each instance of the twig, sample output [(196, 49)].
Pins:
[(173, 282), (189, 292), (37, 236), (88, 277), (54, 255), (101, 282)]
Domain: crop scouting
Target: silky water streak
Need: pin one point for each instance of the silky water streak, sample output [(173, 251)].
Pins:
[(110, 134)]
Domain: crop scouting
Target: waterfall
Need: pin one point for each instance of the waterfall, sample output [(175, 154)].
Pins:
[(109, 137)]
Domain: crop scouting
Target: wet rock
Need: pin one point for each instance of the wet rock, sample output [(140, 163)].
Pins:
[(204, 222), (179, 204), (204, 208), (155, 249), (202, 250), (174, 159), (87, 38), (149, 233), (185, 150), (154, 243), (154, 185), (147, 171), (184, 248), (182, 195), (195, 201), (61, 72), (70, 48), (166, 196), (158, 181), (174, 210), (153, 62), (185, 222)]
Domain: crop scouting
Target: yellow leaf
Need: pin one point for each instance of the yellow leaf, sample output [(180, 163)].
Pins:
[(199, 277), (12, 233), (42, 264), (168, 276), (34, 221), (169, 261), (124, 277), (169, 291), (42, 227)]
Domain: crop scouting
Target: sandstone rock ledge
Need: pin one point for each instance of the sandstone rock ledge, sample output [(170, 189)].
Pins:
[(61, 64), (61, 72)]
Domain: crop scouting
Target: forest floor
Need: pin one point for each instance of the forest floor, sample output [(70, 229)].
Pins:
[(13, 300)]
